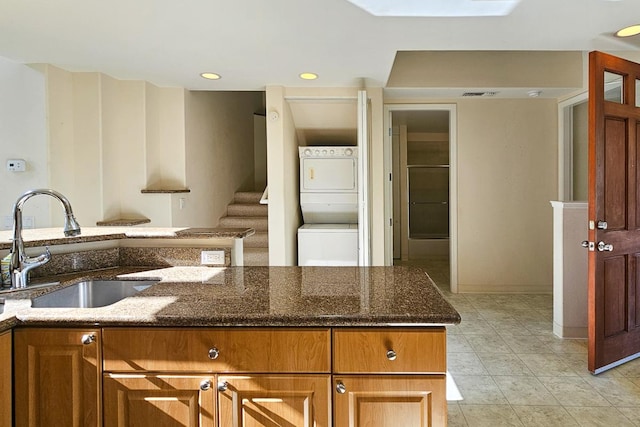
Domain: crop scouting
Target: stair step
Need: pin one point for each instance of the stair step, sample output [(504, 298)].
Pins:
[(258, 223), (248, 197), (256, 257), (245, 209), (259, 240)]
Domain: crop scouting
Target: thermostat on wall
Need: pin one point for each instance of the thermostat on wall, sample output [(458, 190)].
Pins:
[(16, 165)]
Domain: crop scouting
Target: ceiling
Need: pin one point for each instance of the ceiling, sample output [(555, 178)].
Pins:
[(255, 43)]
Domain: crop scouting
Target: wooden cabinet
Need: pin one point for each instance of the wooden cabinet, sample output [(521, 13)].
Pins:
[(390, 401), (6, 393), (57, 377), (159, 400), (275, 400), (367, 388), (275, 376), (227, 377)]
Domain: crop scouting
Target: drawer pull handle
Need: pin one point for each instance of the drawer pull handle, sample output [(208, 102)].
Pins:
[(88, 339), (223, 386), (391, 355), (341, 388), (214, 353), (205, 385)]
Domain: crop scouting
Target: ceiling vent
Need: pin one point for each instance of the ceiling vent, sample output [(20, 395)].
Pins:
[(479, 93)]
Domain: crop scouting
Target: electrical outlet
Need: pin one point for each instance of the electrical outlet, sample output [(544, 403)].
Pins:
[(212, 258), (28, 221)]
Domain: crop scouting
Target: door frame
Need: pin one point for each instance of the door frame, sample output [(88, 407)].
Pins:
[(453, 182)]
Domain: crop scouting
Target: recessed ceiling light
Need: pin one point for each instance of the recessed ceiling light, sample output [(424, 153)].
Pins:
[(210, 76), (632, 30), (437, 8), (308, 76)]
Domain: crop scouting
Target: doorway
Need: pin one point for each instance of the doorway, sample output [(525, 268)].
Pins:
[(421, 196)]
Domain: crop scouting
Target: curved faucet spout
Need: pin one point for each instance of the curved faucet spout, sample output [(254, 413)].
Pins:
[(21, 264)]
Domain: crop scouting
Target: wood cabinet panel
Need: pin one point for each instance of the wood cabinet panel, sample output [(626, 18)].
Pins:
[(366, 351), (159, 400), (6, 392), (57, 377), (239, 350), (390, 401), (275, 400)]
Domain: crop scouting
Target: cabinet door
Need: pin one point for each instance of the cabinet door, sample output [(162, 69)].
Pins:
[(57, 377), (159, 400), (390, 401), (275, 400), (5, 380)]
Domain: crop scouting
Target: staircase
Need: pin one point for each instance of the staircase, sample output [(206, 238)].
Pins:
[(247, 212)]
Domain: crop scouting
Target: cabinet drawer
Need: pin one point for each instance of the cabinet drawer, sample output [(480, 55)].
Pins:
[(217, 350), (389, 351)]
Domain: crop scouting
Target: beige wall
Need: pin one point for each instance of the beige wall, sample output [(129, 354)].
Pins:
[(104, 135), (507, 174), (282, 178), (23, 135), (219, 151)]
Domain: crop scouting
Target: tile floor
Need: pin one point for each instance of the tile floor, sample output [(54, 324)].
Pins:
[(509, 369)]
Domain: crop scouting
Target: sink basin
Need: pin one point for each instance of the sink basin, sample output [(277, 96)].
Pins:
[(92, 293)]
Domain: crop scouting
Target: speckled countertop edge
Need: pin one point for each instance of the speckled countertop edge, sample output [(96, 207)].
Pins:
[(55, 236), (181, 300)]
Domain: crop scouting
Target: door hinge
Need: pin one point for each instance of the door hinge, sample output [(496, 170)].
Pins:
[(390, 222)]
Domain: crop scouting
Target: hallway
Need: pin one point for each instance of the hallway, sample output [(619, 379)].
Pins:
[(509, 369)]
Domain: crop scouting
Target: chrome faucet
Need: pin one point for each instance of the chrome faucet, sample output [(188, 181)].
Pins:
[(21, 264)]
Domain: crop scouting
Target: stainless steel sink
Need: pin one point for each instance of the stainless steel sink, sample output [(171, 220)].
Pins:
[(92, 293)]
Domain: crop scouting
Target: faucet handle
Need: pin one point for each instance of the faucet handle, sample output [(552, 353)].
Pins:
[(40, 259)]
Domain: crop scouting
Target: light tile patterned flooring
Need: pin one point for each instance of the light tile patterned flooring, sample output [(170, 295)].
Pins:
[(511, 370)]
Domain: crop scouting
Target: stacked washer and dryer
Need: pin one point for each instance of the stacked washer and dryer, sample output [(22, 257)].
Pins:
[(329, 204)]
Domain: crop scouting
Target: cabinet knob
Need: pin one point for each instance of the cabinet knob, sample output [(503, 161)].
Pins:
[(88, 339), (391, 355), (205, 385), (214, 353), (341, 388), (223, 386)]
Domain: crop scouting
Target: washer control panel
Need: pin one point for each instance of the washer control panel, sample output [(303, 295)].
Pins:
[(328, 151)]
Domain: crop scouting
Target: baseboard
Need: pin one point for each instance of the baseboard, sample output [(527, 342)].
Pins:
[(504, 289), (569, 331)]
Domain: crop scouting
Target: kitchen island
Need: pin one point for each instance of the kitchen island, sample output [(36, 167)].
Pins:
[(307, 345)]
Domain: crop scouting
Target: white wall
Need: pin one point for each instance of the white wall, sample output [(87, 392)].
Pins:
[(23, 135), (219, 151)]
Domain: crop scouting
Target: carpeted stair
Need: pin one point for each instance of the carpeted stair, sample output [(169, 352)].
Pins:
[(247, 212)]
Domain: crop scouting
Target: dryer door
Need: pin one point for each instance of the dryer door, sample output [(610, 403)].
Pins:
[(328, 174)]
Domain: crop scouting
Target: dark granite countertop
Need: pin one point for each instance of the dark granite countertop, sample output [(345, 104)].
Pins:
[(55, 236), (252, 296)]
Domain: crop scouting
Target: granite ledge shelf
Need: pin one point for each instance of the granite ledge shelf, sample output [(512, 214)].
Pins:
[(55, 236), (123, 222), (165, 191)]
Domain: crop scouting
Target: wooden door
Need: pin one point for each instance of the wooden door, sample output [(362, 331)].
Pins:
[(142, 400), (57, 377), (6, 393), (275, 400), (614, 212), (390, 401)]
